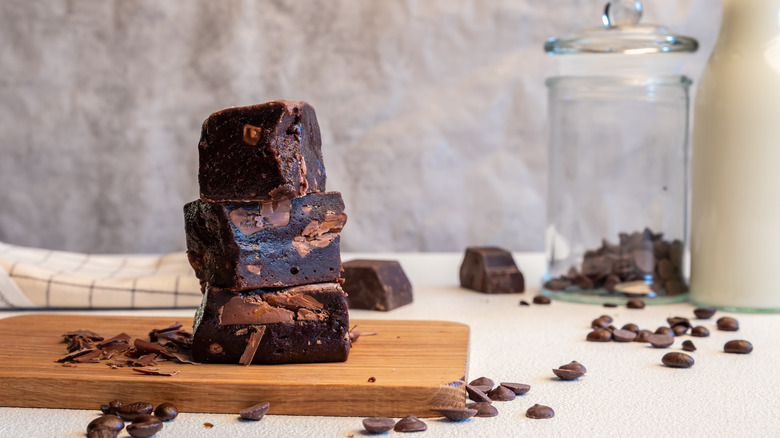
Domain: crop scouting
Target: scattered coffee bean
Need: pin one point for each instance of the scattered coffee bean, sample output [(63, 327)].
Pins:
[(144, 426), (376, 425), (623, 335), (517, 388), (484, 409), (454, 414), (635, 304), (166, 411), (111, 407), (704, 313), (688, 346), (538, 411), (524, 303), (102, 432), (501, 393), (700, 331), (728, 324), (256, 412), (610, 305), (738, 347), (482, 381), (600, 322), (664, 331), (631, 327), (677, 360), (678, 320), (477, 395), (660, 340), (643, 336), (599, 335), (541, 299), (679, 330), (574, 365), (108, 421), (410, 423), (129, 412)]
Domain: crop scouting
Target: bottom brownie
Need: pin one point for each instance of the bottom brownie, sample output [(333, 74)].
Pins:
[(298, 324)]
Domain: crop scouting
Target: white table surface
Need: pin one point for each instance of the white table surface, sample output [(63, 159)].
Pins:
[(626, 392)]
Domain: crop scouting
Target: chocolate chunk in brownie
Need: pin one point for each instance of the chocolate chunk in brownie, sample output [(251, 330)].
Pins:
[(261, 152), (300, 324), (376, 285), (266, 244), (490, 270)]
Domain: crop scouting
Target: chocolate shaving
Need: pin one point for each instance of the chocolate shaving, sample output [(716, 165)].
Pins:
[(90, 357), (87, 334), (145, 360), (172, 328), (252, 345), (185, 358), (146, 347), (118, 339), (156, 372)]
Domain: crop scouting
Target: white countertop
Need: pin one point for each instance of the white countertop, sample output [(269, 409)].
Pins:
[(627, 391)]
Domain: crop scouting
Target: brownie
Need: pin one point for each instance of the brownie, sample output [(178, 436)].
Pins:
[(376, 285), (298, 324), (261, 152), (266, 244), (490, 270)]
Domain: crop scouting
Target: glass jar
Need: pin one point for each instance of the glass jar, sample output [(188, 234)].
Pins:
[(617, 191)]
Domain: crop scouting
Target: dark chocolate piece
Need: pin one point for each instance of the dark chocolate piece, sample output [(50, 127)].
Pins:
[(301, 324), (261, 152), (490, 270), (241, 246), (376, 285)]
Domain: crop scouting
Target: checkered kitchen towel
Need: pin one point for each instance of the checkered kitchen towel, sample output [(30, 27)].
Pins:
[(40, 278)]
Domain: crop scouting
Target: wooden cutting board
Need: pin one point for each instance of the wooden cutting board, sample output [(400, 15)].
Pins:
[(416, 366)]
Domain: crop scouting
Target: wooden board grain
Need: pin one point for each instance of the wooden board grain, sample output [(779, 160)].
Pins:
[(417, 366)]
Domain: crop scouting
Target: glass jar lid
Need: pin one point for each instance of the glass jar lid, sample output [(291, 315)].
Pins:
[(621, 33)]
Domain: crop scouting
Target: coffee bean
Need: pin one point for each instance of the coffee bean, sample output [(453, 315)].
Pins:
[(482, 381), (606, 318), (704, 313), (623, 335), (688, 346), (144, 426), (517, 388), (599, 335), (575, 366), (700, 331), (166, 411), (538, 411), (679, 330), (376, 425), (256, 412), (738, 347), (631, 327), (664, 331), (111, 407), (129, 412), (642, 335), (501, 393), (410, 423), (610, 305), (524, 303), (635, 304), (108, 421), (454, 414), (477, 394), (484, 409), (678, 320), (599, 323), (660, 340), (677, 360), (541, 299), (102, 432), (728, 324)]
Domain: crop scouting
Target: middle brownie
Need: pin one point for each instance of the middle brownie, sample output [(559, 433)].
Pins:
[(244, 245)]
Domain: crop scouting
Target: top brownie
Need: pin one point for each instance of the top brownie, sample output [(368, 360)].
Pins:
[(269, 151)]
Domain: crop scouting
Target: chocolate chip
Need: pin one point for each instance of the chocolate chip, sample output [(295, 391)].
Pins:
[(677, 360), (129, 412), (643, 335), (660, 340), (517, 388), (700, 331), (738, 347), (144, 426), (501, 393), (623, 335), (483, 388), (378, 424), (454, 414), (538, 411), (410, 423), (256, 412), (631, 327), (704, 313), (108, 421), (635, 304), (564, 374), (166, 411), (599, 335), (482, 381), (476, 394), (688, 346), (728, 324), (541, 299), (575, 366), (484, 409)]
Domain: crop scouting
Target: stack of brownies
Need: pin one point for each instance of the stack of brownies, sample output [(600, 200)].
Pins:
[(264, 240)]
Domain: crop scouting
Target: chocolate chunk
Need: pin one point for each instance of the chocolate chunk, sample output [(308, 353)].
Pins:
[(254, 413), (538, 411), (490, 270), (376, 425), (728, 324), (677, 360), (477, 394), (660, 340), (252, 344), (517, 388), (541, 299), (599, 335), (410, 423), (376, 284), (738, 347), (261, 152), (454, 414), (501, 393), (704, 312), (700, 331), (688, 346), (242, 246), (484, 409)]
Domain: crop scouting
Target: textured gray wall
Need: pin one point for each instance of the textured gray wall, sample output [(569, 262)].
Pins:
[(433, 112)]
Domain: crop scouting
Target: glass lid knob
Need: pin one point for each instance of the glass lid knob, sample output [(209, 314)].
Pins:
[(622, 13)]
